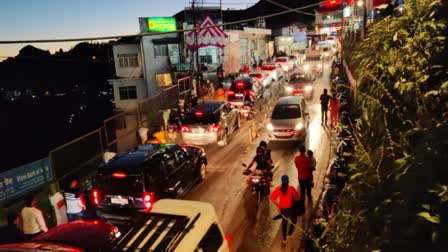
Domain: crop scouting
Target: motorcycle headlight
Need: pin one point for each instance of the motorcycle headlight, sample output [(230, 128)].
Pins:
[(306, 67), (299, 126), (270, 127), (289, 89), (308, 88), (319, 66), (255, 180)]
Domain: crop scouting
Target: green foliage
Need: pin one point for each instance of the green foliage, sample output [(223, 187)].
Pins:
[(397, 196)]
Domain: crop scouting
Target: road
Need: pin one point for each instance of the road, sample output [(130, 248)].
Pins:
[(225, 186)]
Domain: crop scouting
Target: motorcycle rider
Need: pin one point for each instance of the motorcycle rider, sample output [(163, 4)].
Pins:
[(264, 163)]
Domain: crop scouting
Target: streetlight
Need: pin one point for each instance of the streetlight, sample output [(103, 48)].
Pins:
[(359, 3)]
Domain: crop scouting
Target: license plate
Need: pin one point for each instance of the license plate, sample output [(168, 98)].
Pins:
[(239, 95), (284, 133), (119, 201), (198, 130)]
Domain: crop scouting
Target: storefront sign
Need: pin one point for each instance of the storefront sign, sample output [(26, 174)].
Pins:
[(161, 24), (24, 179)]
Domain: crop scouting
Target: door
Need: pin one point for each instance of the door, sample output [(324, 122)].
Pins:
[(305, 113), (186, 167), (227, 119), (176, 185)]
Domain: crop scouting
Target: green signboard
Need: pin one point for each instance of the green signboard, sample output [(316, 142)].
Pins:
[(161, 24)]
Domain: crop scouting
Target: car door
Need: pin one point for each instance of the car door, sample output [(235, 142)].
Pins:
[(186, 167), (305, 112), (175, 183), (227, 119)]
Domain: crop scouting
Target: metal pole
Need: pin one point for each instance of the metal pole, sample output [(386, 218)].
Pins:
[(365, 20), (343, 32)]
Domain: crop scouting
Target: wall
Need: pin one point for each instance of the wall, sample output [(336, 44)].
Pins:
[(128, 72), (128, 104)]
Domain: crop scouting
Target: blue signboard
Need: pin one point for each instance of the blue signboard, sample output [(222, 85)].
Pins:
[(299, 37), (24, 179)]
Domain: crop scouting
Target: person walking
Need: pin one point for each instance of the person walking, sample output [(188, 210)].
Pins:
[(11, 233), (335, 104), (305, 175), (324, 99), (310, 154), (286, 196), (33, 220), (74, 202)]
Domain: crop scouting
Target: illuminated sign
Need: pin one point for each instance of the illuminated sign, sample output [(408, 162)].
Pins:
[(161, 24)]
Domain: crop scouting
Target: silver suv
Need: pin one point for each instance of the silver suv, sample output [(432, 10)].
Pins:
[(289, 119), (210, 122)]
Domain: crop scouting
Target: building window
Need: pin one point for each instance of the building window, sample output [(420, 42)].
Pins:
[(160, 50), (128, 93), (128, 60)]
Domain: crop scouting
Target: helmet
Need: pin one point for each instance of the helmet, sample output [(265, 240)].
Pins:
[(263, 144)]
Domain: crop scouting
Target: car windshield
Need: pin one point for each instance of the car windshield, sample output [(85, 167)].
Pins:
[(240, 85), (292, 57), (286, 112), (299, 78), (313, 57), (128, 185), (195, 118)]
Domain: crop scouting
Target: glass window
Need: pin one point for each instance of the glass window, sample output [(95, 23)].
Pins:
[(160, 50), (128, 93), (286, 112), (128, 60), (212, 240)]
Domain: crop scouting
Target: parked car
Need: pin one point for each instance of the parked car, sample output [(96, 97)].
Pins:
[(72, 236), (210, 122), (134, 180), (185, 226), (263, 77), (242, 86), (289, 119), (286, 64), (300, 83)]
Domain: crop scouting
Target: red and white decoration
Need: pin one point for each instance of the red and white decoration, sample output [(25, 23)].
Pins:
[(213, 36)]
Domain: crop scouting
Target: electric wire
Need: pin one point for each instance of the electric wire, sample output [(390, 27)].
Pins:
[(159, 33)]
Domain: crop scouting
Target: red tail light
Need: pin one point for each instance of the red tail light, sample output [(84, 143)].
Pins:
[(240, 84), (96, 197), (229, 240), (148, 200), (214, 129), (230, 93), (199, 113), (250, 92), (119, 175), (185, 129)]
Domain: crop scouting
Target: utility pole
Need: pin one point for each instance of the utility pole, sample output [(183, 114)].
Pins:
[(196, 52)]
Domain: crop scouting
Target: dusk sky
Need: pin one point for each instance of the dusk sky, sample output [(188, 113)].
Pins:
[(51, 19)]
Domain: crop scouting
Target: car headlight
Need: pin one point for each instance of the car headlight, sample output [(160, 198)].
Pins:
[(306, 67), (289, 89), (308, 88), (270, 127), (333, 49), (326, 54), (299, 126), (319, 66)]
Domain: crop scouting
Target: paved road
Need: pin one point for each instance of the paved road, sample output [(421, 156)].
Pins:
[(225, 186)]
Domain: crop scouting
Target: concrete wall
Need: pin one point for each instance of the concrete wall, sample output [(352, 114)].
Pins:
[(128, 104), (128, 72)]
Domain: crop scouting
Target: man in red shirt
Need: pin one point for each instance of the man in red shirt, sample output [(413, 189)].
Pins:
[(303, 165)]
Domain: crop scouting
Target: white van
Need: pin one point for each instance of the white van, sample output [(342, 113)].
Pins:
[(177, 226)]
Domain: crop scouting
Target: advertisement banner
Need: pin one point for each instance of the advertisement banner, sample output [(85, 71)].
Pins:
[(24, 179)]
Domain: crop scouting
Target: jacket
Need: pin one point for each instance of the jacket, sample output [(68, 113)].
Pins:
[(285, 199)]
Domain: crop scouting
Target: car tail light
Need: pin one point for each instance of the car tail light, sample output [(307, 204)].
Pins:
[(229, 241), (240, 84), (214, 128), (119, 175), (185, 129), (148, 200), (250, 92), (230, 93), (96, 197), (199, 113)]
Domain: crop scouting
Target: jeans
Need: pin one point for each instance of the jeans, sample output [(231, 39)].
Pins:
[(324, 112), (31, 236), (76, 216), (288, 213), (305, 185)]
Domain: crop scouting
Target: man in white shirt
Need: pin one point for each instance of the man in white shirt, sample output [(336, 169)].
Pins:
[(73, 199), (33, 220)]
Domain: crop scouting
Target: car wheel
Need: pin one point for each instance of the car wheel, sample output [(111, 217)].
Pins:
[(202, 170)]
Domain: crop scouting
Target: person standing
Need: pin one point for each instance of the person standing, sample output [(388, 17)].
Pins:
[(75, 204), (11, 233), (220, 74), (335, 104), (220, 94), (324, 99), (310, 154), (286, 195), (305, 175), (33, 220)]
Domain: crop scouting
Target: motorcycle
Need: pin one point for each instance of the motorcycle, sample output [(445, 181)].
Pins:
[(330, 201), (338, 171), (259, 183)]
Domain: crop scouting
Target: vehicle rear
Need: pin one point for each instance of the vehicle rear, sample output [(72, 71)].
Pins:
[(284, 62), (300, 84), (262, 77), (201, 125), (238, 90), (272, 70)]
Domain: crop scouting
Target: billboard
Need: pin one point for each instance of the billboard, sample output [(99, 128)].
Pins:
[(161, 24), (24, 179)]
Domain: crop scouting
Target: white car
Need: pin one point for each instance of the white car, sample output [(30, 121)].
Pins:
[(263, 77), (285, 63)]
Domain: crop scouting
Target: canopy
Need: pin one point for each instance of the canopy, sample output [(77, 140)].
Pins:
[(213, 36)]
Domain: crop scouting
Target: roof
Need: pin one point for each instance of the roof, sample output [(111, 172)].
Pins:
[(289, 100)]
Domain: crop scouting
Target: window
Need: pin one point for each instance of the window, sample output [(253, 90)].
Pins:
[(212, 240), (128, 93), (164, 80), (128, 60), (160, 50)]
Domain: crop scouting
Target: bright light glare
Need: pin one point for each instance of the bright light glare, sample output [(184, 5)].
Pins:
[(319, 66), (299, 126), (333, 49), (308, 88), (306, 67), (270, 127), (288, 89), (360, 3)]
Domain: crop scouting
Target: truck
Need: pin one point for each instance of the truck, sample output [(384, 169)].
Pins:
[(174, 226)]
